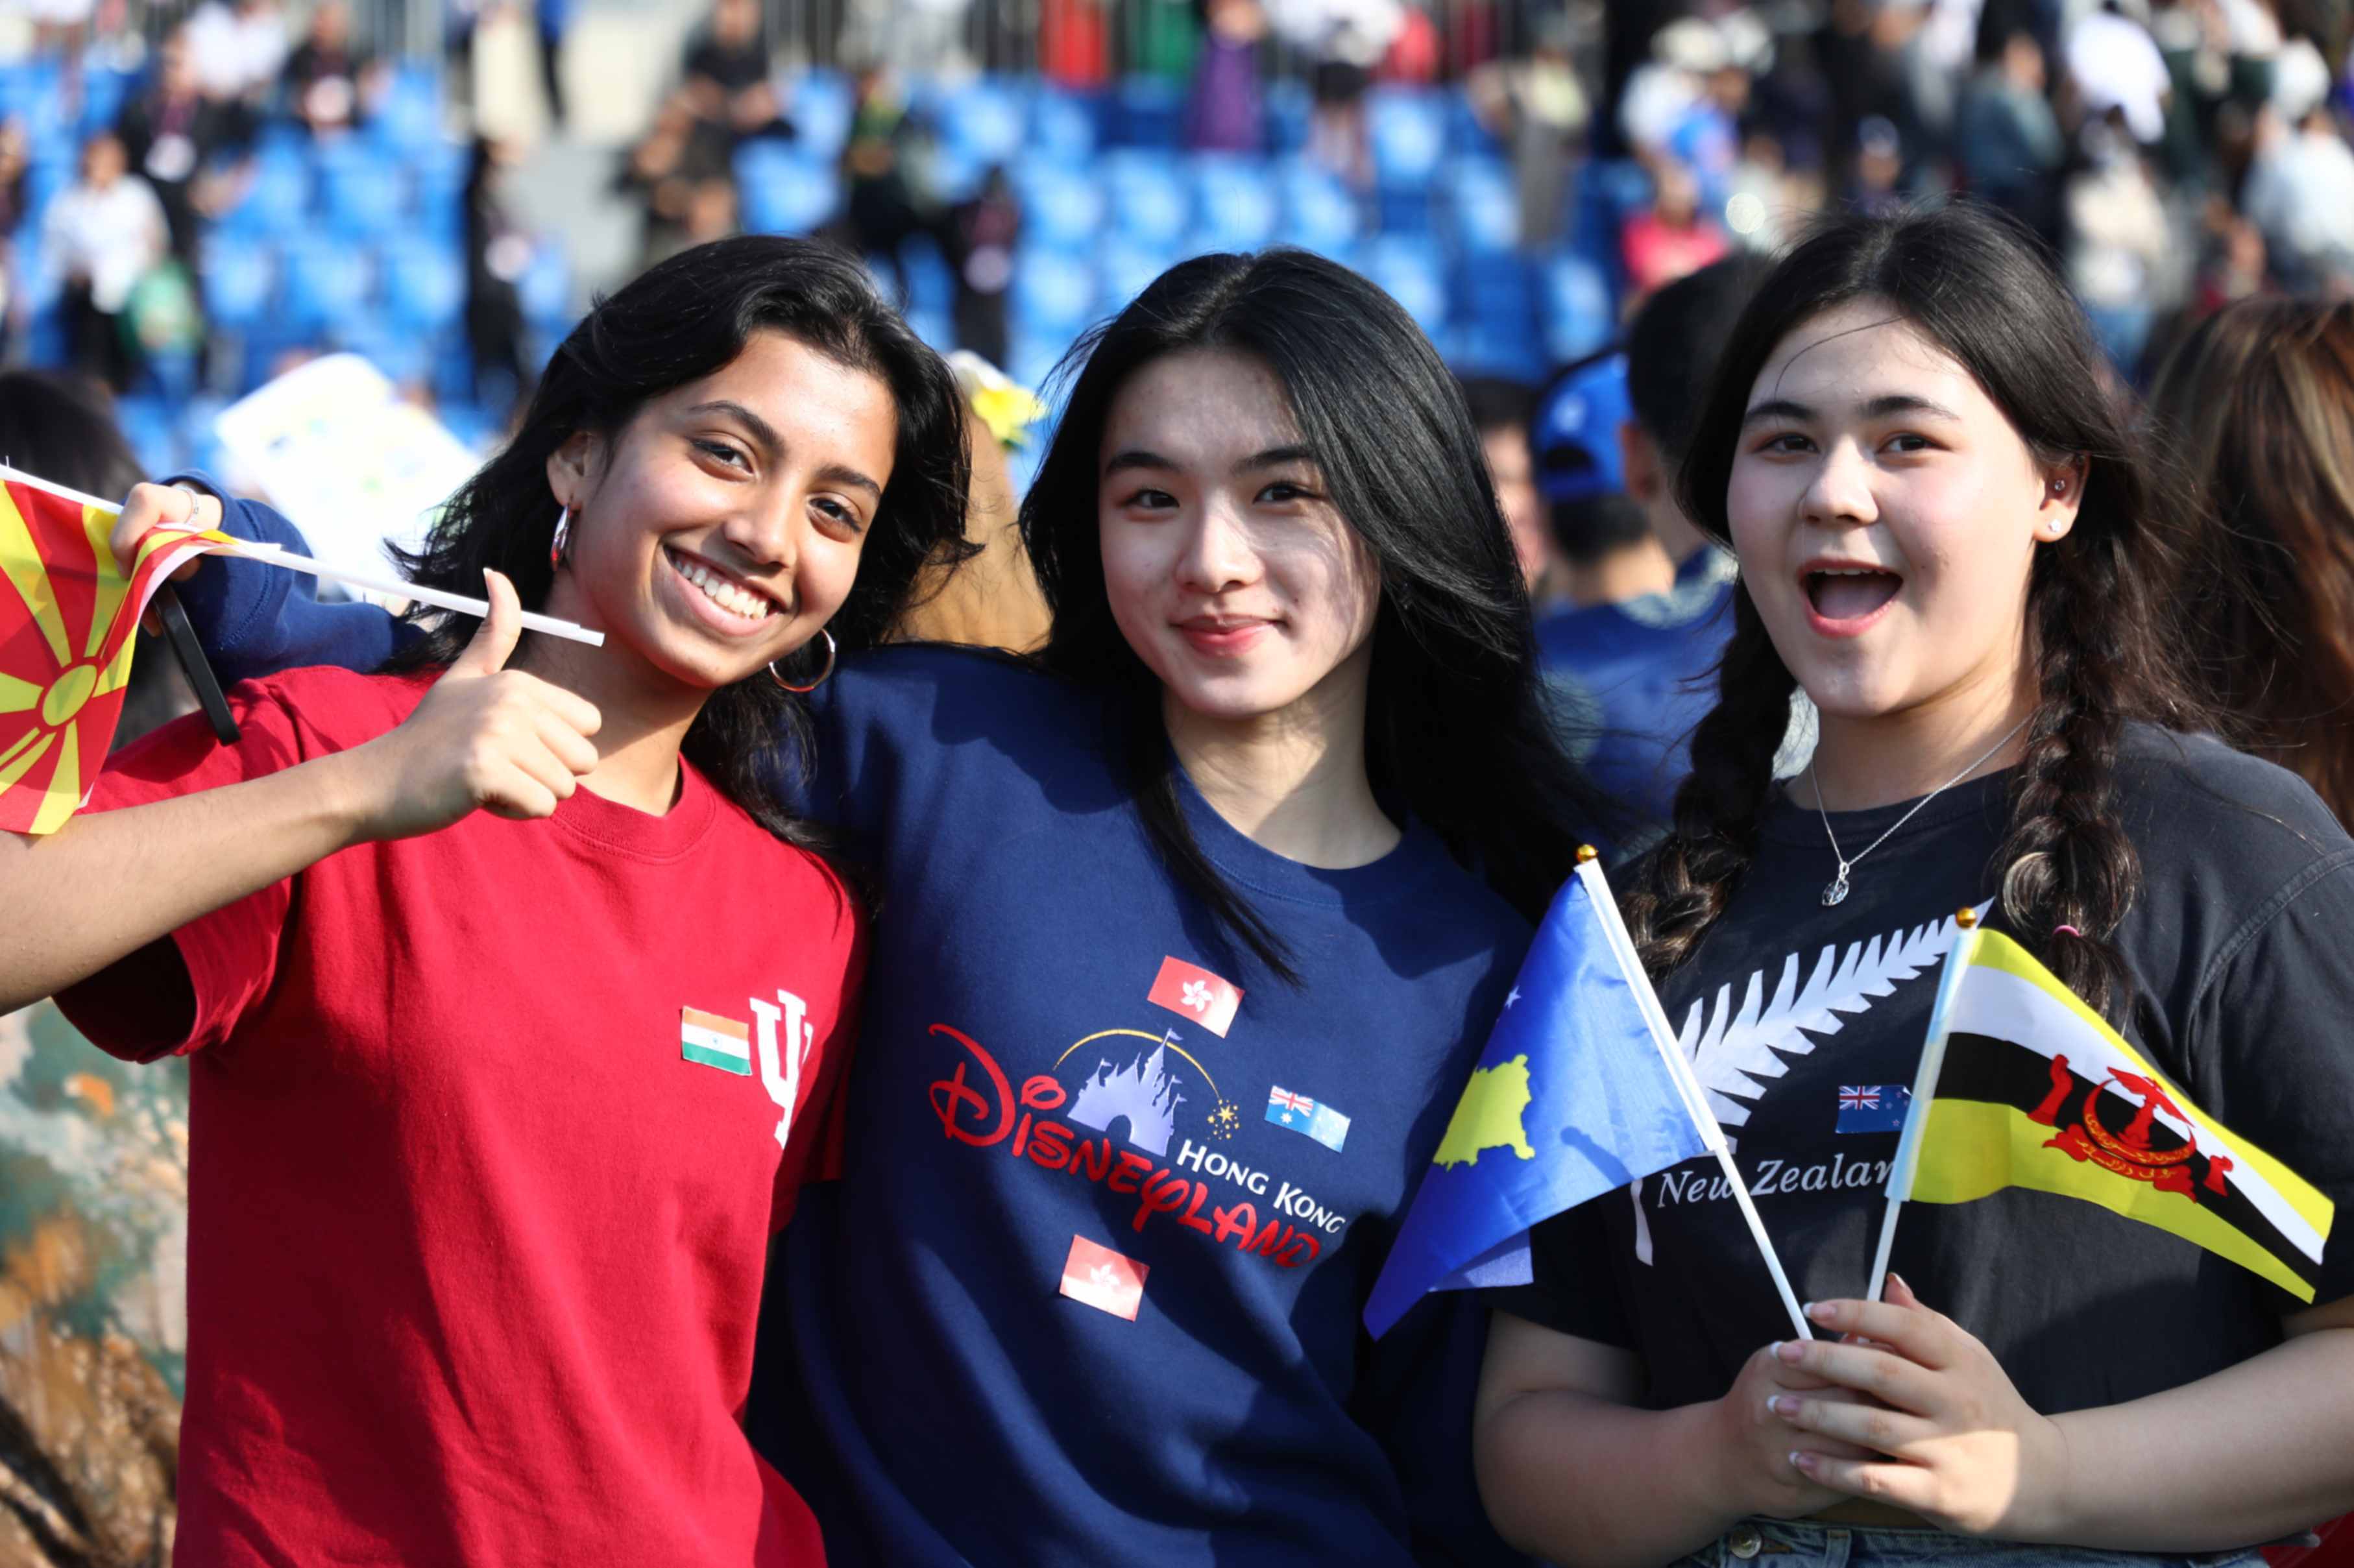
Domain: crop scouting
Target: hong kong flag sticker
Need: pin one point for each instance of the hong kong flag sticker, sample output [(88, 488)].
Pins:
[(1104, 1280), (1192, 992)]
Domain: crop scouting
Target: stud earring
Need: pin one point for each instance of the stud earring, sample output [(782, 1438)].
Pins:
[(563, 535)]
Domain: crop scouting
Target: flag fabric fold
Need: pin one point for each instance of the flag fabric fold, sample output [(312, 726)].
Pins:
[(1574, 1095), (2023, 1085), (67, 614)]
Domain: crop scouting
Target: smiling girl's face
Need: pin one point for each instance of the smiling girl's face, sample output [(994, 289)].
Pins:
[(1886, 513), (1228, 568), (721, 527)]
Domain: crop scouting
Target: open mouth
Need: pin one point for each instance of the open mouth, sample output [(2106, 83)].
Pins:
[(1843, 595), (728, 595)]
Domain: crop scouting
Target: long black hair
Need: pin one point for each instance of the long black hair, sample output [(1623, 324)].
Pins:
[(683, 318), (1980, 287), (1456, 732)]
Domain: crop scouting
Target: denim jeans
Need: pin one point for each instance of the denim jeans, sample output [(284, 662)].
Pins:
[(1780, 1543)]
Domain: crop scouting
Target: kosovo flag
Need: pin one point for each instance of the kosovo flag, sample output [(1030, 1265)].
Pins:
[(66, 619), (2021, 1085), (1577, 1093)]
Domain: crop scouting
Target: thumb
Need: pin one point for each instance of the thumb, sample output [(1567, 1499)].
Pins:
[(496, 639), (1896, 1293)]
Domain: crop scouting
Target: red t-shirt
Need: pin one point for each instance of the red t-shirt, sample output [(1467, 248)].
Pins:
[(485, 1159)]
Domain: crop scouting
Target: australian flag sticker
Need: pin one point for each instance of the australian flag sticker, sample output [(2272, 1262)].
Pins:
[(1872, 1107), (1301, 1114)]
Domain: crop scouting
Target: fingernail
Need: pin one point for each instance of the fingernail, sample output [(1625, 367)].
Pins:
[(1896, 1278), (1782, 1404), (1789, 1350), (1800, 1460), (1820, 1311)]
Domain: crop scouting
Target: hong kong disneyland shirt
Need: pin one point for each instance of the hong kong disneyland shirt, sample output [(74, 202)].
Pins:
[(1088, 1291), (1805, 1023)]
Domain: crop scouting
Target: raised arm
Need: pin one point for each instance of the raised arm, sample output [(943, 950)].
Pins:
[(108, 883), (254, 619)]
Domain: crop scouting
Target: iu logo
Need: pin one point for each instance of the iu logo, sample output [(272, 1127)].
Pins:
[(781, 1068)]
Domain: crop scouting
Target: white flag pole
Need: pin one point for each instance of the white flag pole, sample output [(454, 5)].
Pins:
[(1679, 1070), (1925, 1088), (389, 585)]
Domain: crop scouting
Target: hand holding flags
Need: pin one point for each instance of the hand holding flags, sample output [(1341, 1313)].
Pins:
[(1582, 1089), (67, 615), (68, 611), (2021, 1085)]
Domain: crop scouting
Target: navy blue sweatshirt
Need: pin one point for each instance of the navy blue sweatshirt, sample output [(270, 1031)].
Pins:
[(1112, 1195)]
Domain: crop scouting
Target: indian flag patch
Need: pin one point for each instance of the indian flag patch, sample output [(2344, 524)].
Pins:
[(714, 1042)]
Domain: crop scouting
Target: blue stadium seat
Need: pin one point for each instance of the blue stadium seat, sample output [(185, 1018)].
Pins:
[(1408, 126), (424, 286), (438, 171), (325, 283), (1320, 213), (1061, 206), (1580, 316), (820, 110), (1149, 202), (986, 121), (1031, 358), (930, 285), (1064, 126), (1053, 292), (783, 190), (403, 357), (1236, 201), (1483, 205), (410, 116), (240, 281), (545, 290), (1410, 272), (1125, 268), (1149, 112), (1290, 107), (1466, 136), (148, 426), (103, 94), (365, 198), (277, 201)]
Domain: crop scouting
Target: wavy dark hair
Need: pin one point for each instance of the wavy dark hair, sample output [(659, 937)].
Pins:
[(677, 322), (1980, 287), (1456, 731), (2257, 404)]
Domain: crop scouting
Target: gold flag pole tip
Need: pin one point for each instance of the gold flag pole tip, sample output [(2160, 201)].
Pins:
[(1967, 919), (1587, 854)]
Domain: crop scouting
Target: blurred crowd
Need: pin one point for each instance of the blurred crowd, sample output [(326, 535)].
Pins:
[(2176, 153)]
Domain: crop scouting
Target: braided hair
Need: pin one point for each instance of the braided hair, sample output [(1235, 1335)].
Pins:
[(1981, 288)]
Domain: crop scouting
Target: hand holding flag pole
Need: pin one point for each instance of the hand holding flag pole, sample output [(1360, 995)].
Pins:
[(67, 612), (1582, 1088)]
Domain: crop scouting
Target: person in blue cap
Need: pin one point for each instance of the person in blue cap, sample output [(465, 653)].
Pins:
[(1631, 664)]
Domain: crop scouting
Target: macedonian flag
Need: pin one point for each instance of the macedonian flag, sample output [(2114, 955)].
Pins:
[(2021, 1085), (67, 615)]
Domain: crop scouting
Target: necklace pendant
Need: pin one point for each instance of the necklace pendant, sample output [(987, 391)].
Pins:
[(1836, 892)]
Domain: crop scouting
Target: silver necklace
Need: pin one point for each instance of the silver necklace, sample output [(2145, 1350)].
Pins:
[(1836, 892)]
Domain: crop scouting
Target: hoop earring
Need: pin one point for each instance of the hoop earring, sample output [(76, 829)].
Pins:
[(822, 674), (562, 535)]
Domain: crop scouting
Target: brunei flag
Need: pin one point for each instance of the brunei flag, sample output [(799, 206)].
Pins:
[(66, 619), (2021, 1085)]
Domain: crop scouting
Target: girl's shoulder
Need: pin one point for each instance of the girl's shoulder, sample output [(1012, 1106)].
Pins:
[(2192, 796), (951, 694)]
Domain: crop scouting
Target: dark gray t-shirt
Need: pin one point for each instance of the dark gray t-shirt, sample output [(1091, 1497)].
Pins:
[(1806, 1023)]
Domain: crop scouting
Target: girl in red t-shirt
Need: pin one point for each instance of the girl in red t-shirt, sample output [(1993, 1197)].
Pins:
[(494, 1045)]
